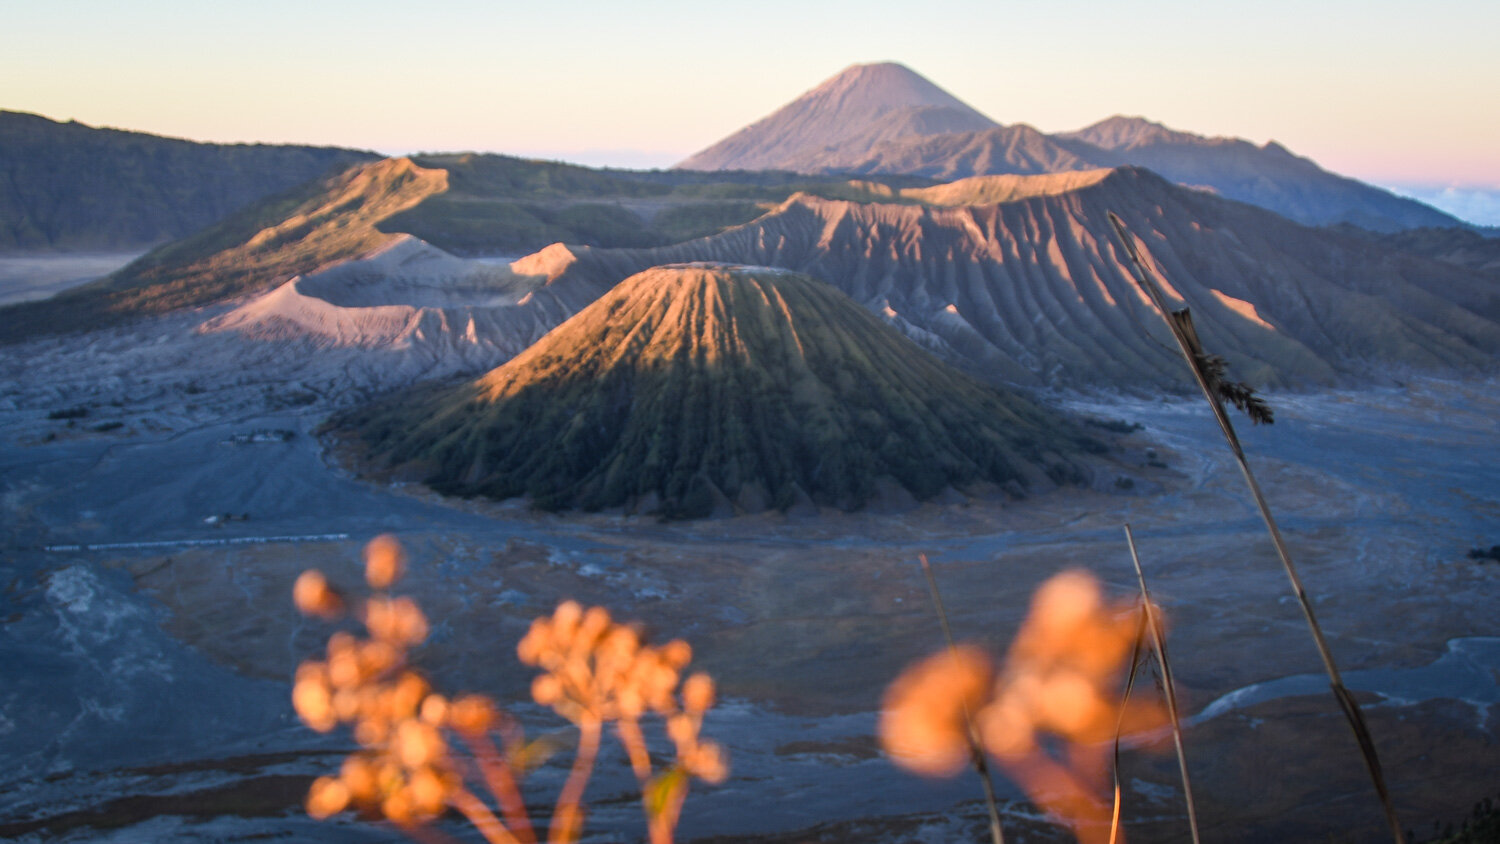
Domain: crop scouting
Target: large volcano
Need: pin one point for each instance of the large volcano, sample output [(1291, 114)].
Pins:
[(861, 106), (694, 388)]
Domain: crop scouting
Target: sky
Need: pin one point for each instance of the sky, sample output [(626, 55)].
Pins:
[(1402, 94)]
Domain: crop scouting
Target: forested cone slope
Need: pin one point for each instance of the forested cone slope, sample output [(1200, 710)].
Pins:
[(690, 389)]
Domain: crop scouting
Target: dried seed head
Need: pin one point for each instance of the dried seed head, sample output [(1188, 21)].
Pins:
[(593, 625), (377, 657), (418, 745), (536, 643), (1005, 728), (565, 621), (682, 729), (313, 596), (313, 700), (708, 762), (326, 797), (372, 732), (406, 695), (398, 809), (472, 715), (343, 667), (361, 777), (922, 721), (677, 653), (546, 690), (428, 791), (698, 694), (385, 561), (434, 710)]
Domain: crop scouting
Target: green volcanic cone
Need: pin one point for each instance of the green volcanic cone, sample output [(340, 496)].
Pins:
[(690, 387)]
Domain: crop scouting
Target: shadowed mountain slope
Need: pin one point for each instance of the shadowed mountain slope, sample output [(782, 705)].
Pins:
[(1269, 176), (67, 186), (256, 249), (861, 106), (688, 388), (1460, 247), (1017, 149)]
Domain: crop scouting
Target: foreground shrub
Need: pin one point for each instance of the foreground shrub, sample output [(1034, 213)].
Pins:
[(422, 753)]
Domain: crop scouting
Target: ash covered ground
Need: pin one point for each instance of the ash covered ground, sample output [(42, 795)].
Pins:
[(150, 540)]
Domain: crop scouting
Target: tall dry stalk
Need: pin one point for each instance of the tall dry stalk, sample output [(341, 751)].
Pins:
[(1204, 369), (1158, 635), (976, 753), (1135, 665)]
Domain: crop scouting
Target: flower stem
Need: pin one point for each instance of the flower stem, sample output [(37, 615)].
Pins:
[(976, 754)]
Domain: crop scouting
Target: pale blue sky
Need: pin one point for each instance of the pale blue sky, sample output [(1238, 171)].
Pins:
[(1392, 92)]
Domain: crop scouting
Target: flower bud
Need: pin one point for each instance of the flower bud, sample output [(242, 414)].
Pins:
[(385, 561), (326, 797), (313, 596), (698, 694)]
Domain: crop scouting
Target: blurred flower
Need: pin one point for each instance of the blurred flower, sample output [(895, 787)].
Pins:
[(408, 772), (598, 671), (327, 797), (313, 596), (924, 719), (1065, 663), (1061, 678), (385, 561)]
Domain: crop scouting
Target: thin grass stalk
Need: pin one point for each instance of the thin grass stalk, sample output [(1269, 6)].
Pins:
[(1135, 664), (501, 783), (976, 753), (1341, 693), (481, 817), (629, 731), (1159, 645), (567, 816)]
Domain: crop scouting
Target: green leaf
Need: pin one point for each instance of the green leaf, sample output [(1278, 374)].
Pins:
[(663, 790)]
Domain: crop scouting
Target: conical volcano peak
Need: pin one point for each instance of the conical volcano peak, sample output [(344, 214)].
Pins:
[(869, 103), (882, 86), (692, 389)]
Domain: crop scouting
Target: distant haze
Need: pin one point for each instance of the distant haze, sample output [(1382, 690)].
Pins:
[(1475, 204), (1386, 92)]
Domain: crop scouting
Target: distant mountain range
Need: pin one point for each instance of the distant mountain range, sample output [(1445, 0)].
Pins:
[(465, 204), (885, 118), (71, 187), (1015, 277), (693, 389)]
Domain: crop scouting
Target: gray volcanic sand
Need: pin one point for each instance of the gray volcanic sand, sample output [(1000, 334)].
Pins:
[(148, 683), (27, 277)]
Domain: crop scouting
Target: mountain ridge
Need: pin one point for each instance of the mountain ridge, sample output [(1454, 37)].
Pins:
[(1036, 291), (1020, 279), (71, 186)]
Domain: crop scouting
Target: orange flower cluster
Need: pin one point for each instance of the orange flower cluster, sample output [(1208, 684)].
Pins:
[(1060, 678), (598, 671), (404, 773), (407, 770)]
